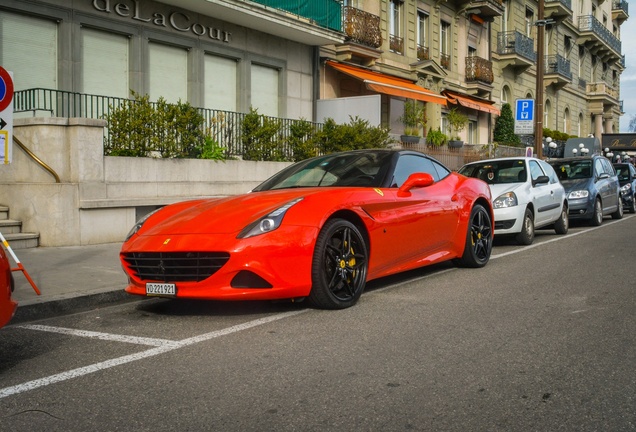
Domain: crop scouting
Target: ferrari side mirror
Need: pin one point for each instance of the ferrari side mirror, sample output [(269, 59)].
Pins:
[(415, 180)]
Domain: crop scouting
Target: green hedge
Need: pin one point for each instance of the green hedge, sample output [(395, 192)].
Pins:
[(140, 128)]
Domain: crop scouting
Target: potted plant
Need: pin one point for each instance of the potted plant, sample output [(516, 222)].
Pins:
[(436, 138), (413, 119), (456, 122)]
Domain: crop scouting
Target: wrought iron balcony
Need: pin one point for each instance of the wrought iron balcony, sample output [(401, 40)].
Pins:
[(445, 61), (558, 9), (603, 93), (486, 9), (597, 38), (396, 44), (423, 53), (479, 69), (361, 27), (620, 11), (516, 50), (557, 71)]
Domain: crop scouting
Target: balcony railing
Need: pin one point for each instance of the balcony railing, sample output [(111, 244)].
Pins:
[(601, 89), (514, 42), (559, 9), (582, 84), (423, 53), (589, 23), (479, 69), (225, 127), (445, 61), (620, 5), (396, 44), (325, 13), (557, 64), (362, 27), (566, 3)]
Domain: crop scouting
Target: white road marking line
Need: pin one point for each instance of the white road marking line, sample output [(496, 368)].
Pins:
[(75, 373), (558, 238), (101, 336)]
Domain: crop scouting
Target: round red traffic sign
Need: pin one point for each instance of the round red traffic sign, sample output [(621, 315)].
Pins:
[(6, 89)]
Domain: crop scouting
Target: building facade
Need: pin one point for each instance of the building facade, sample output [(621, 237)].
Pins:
[(284, 57), (221, 55)]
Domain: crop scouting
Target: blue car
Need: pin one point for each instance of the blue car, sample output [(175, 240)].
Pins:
[(591, 186), (627, 179)]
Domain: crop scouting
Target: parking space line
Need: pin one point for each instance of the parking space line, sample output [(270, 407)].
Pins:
[(99, 335), (560, 237), (75, 373)]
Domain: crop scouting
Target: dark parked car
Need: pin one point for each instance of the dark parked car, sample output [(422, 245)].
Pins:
[(627, 179), (592, 187)]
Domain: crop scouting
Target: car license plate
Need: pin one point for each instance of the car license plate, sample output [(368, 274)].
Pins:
[(161, 289)]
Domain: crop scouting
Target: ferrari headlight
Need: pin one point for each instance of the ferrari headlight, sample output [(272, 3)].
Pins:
[(509, 199), (268, 222), (626, 188), (578, 194), (139, 224)]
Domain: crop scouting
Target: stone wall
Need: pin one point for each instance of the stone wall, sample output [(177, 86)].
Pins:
[(98, 198)]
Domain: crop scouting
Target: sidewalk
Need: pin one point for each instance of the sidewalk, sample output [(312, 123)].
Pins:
[(70, 279)]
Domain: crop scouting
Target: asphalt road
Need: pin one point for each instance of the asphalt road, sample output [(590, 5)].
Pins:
[(541, 339)]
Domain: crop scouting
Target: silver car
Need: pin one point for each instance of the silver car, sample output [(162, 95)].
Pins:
[(527, 194)]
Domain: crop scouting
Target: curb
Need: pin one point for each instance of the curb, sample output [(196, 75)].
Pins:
[(54, 308)]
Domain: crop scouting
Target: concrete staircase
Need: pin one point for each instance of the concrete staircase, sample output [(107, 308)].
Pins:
[(12, 232)]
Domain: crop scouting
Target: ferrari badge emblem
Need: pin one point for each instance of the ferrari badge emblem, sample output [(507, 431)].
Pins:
[(166, 241), (379, 191)]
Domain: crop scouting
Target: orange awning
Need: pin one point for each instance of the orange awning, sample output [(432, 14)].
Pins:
[(471, 103), (386, 84)]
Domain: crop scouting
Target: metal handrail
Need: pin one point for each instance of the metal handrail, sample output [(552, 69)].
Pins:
[(37, 159)]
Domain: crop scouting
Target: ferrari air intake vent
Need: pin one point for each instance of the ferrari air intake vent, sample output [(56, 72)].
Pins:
[(175, 266)]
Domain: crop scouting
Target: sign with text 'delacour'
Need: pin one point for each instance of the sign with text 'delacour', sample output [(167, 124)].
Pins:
[(524, 117)]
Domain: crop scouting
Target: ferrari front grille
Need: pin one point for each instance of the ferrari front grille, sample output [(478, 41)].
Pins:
[(175, 266)]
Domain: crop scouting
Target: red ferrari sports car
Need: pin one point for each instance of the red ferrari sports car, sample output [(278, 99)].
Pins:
[(7, 305), (319, 229)]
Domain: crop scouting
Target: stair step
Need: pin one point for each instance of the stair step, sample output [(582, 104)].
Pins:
[(4, 212), (10, 226), (22, 240)]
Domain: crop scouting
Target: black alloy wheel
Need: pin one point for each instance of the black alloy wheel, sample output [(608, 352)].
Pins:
[(479, 238), (339, 266)]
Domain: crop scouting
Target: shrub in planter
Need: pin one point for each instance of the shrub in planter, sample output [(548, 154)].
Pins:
[(436, 138), (457, 121), (414, 118)]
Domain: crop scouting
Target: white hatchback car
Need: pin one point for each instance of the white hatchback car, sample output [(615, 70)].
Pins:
[(527, 194)]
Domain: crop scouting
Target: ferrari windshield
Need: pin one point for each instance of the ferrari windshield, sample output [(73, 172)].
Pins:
[(364, 168), (496, 172)]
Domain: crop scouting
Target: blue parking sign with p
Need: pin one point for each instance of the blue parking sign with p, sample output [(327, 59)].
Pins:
[(525, 110)]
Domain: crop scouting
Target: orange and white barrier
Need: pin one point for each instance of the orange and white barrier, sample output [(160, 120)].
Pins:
[(20, 267)]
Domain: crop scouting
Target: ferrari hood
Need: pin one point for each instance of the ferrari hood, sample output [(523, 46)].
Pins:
[(220, 216)]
